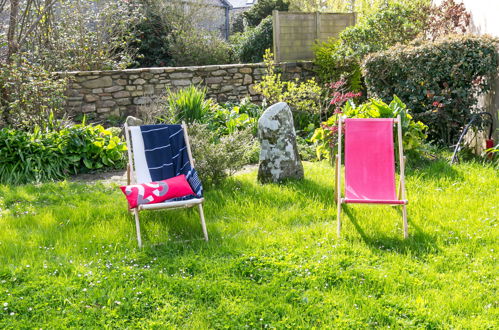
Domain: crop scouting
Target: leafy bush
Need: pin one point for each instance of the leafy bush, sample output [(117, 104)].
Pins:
[(27, 157), (331, 64), (304, 98), (198, 47), (30, 95), (439, 81), (92, 147), (326, 136), (229, 118), (262, 9), (393, 23), (250, 46), (217, 157), (153, 42)]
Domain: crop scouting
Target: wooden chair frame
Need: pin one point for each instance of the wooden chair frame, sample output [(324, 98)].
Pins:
[(401, 189), (131, 179)]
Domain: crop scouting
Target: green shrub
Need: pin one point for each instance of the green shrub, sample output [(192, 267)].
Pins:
[(229, 118), (198, 47), (92, 147), (331, 64), (326, 136), (250, 46), (31, 95), (217, 157), (27, 157), (439, 81), (262, 9), (393, 23), (304, 98), (153, 43)]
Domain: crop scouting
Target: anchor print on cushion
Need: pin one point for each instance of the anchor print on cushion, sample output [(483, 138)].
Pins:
[(157, 192)]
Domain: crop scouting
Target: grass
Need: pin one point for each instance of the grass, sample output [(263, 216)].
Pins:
[(68, 257)]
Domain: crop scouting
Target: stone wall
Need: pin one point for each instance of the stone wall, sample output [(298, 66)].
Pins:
[(119, 93)]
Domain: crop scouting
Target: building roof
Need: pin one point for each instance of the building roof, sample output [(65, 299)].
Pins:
[(241, 3)]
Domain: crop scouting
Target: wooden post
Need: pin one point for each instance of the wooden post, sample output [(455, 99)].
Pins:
[(402, 175), (276, 35), (338, 178), (137, 226), (131, 175), (191, 160), (336, 188), (187, 144), (317, 25)]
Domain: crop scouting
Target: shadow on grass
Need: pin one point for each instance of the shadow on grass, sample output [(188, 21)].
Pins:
[(418, 243), (428, 169)]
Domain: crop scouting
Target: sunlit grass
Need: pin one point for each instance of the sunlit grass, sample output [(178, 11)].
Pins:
[(68, 256)]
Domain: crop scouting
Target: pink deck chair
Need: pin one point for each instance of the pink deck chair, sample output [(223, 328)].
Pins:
[(370, 165)]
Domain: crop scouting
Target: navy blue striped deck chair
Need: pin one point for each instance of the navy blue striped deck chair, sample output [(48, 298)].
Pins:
[(160, 152)]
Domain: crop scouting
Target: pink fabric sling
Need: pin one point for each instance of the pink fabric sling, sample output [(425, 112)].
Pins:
[(370, 162)]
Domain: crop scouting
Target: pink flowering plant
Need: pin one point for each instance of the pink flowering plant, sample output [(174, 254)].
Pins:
[(326, 136)]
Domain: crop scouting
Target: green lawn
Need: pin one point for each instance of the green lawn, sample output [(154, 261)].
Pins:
[(68, 256)]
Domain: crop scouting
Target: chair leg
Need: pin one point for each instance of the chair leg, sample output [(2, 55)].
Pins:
[(338, 216), (203, 224), (137, 227), (336, 169), (404, 216)]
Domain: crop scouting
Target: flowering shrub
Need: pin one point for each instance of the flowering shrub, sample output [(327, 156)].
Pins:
[(439, 81), (326, 136)]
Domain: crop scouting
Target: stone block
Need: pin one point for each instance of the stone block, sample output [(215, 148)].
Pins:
[(113, 89), (88, 108), (137, 93), (245, 70), (156, 70), (125, 101), (139, 81), (181, 82), (247, 79), (213, 80), (148, 89), (101, 82), (121, 94), (181, 75), (226, 88), (91, 98), (142, 100), (107, 104), (219, 73)]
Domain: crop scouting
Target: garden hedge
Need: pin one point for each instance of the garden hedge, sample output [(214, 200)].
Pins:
[(439, 81)]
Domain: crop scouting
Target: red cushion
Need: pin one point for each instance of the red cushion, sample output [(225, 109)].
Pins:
[(157, 192)]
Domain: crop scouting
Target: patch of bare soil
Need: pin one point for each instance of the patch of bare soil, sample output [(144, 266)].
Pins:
[(110, 177)]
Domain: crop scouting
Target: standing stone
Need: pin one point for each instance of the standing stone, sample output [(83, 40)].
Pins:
[(279, 158), (133, 121)]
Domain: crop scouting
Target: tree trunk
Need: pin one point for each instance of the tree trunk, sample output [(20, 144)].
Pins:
[(12, 45)]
